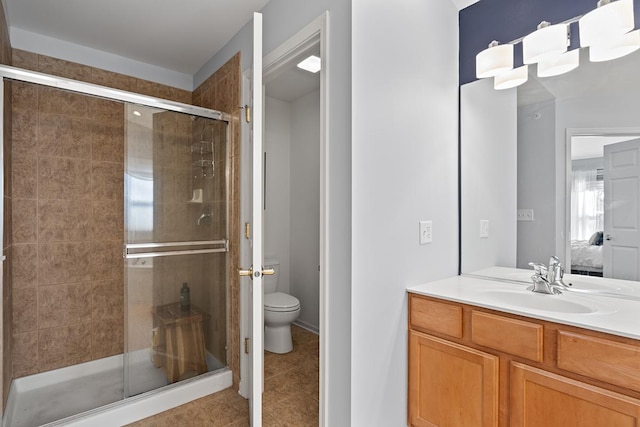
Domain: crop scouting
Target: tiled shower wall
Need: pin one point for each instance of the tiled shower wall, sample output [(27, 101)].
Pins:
[(221, 92), (5, 267), (68, 229)]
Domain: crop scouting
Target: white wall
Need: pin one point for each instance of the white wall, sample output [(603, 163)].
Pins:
[(277, 145), (536, 183), (282, 19), (488, 164), (404, 169), (305, 206), (292, 215)]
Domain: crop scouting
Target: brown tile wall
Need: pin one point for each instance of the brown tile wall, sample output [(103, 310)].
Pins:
[(67, 170), (67, 229), (5, 268), (222, 92)]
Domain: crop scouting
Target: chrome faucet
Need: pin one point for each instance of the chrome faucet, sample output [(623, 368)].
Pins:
[(556, 273), (548, 280)]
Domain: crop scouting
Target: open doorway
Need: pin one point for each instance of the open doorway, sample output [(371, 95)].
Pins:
[(603, 202), (294, 232), (292, 236)]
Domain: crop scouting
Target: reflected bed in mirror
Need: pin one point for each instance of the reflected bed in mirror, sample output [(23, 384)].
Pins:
[(553, 167)]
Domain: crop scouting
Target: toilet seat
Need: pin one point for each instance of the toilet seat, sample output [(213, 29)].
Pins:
[(279, 301)]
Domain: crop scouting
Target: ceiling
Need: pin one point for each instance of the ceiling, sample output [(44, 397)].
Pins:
[(171, 34), (461, 4), (290, 82)]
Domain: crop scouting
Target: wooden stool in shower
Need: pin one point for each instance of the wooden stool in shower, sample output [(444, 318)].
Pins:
[(181, 344)]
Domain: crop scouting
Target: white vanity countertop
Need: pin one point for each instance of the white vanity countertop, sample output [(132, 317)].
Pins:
[(612, 315)]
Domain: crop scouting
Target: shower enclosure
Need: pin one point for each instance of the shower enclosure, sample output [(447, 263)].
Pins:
[(176, 247), (133, 235)]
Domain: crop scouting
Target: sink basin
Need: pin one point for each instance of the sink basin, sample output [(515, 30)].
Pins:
[(526, 299)]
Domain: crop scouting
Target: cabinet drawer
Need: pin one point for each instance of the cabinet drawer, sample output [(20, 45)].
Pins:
[(609, 361), (435, 316), (511, 336)]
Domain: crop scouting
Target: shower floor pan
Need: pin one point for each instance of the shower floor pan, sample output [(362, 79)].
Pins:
[(50, 398)]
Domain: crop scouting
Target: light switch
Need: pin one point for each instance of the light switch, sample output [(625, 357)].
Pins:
[(426, 232), (484, 228)]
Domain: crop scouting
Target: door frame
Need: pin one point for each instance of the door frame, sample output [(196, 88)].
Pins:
[(316, 31), (570, 133)]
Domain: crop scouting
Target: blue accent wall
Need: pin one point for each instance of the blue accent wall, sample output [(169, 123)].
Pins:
[(507, 20)]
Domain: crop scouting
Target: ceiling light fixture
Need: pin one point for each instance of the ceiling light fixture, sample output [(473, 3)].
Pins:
[(494, 60), (546, 42), (312, 64), (137, 113)]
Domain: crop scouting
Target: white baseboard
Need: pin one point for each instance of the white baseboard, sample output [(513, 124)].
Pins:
[(309, 327)]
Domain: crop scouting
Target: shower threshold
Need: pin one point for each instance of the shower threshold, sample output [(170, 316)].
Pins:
[(92, 393)]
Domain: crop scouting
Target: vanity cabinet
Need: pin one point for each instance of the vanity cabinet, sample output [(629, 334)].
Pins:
[(470, 366)]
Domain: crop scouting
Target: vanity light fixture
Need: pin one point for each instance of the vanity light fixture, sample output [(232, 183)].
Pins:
[(547, 42), (495, 59), (511, 78), (607, 23), (313, 64), (606, 30), (625, 45), (560, 64)]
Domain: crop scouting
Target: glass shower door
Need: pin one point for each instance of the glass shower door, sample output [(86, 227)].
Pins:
[(176, 247)]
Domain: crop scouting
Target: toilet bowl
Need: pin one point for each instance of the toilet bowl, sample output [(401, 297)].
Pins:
[(280, 310)]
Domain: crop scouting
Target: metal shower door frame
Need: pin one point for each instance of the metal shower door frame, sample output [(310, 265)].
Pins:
[(9, 73)]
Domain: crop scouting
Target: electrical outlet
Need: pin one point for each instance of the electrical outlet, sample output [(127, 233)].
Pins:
[(484, 228), (426, 232), (525, 214)]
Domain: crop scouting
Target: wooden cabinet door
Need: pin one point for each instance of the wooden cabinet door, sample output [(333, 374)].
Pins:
[(451, 385), (543, 399)]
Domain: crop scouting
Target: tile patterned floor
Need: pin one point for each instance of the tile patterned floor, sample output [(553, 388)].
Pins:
[(290, 396)]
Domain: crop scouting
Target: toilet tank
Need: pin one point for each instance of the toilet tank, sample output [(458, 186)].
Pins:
[(270, 283)]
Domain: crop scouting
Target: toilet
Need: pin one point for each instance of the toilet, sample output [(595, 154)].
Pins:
[(280, 310)]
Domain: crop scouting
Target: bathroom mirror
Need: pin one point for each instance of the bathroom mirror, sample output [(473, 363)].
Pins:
[(552, 168)]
